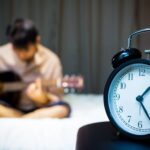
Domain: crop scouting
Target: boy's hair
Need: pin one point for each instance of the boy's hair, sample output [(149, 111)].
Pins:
[(21, 33)]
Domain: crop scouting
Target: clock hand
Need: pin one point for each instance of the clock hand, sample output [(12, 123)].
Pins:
[(140, 101), (140, 110), (145, 91), (140, 97)]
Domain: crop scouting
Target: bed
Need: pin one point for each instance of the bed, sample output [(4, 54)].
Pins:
[(52, 134)]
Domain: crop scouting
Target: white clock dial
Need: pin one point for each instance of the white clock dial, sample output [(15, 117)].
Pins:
[(125, 109)]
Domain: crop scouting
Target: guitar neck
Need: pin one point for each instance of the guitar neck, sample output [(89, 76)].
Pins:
[(19, 86)]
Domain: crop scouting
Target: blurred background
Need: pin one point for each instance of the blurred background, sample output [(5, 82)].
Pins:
[(85, 34)]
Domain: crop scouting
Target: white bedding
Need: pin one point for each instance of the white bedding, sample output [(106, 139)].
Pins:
[(52, 134)]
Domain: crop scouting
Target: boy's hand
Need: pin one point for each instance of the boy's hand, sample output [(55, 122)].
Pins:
[(36, 93)]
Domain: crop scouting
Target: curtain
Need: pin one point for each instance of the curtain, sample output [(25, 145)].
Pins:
[(85, 34)]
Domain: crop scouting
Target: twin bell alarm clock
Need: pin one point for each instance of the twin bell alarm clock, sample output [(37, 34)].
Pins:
[(127, 92)]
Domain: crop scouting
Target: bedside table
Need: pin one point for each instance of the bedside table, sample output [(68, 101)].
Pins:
[(103, 136)]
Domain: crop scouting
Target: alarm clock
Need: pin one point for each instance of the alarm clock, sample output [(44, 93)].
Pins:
[(127, 92)]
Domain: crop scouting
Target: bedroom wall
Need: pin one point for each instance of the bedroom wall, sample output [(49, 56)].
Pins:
[(84, 33)]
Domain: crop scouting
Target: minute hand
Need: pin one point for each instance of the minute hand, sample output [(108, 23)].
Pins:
[(144, 109), (140, 100)]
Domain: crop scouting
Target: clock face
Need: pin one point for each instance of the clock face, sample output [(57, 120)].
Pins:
[(127, 98)]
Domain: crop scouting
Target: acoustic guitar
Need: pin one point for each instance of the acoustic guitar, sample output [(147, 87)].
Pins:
[(11, 86)]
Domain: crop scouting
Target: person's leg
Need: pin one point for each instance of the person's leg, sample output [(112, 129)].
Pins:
[(58, 111), (9, 112)]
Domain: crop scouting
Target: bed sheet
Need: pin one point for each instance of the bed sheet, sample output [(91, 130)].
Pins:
[(52, 134)]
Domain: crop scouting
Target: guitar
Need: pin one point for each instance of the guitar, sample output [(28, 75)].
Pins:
[(11, 85)]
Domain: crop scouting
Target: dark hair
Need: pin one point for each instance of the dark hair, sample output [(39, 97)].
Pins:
[(21, 33)]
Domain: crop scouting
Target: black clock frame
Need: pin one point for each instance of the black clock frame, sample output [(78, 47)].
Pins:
[(106, 105)]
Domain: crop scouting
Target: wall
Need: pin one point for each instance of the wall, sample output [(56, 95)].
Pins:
[(84, 33)]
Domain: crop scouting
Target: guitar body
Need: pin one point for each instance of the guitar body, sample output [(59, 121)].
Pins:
[(10, 98)]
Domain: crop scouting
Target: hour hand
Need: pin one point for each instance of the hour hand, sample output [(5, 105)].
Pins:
[(145, 91), (140, 97)]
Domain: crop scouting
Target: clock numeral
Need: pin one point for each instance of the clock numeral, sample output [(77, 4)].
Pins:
[(121, 109), (116, 96), (140, 124), (129, 118), (122, 85), (130, 76), (142, 72)]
